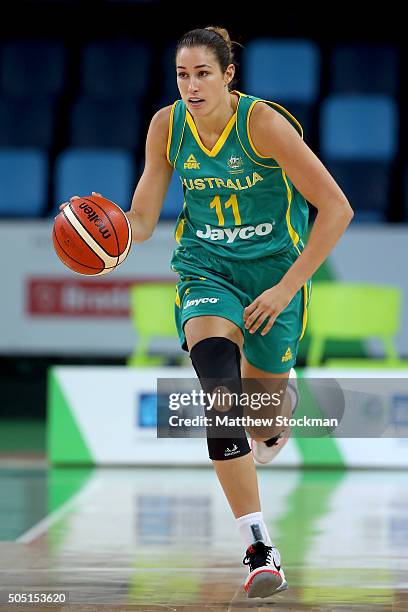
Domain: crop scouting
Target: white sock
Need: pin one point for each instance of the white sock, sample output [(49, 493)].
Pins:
[(252, 528)]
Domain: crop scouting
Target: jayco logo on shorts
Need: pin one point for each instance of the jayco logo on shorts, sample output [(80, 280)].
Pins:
[(231, 233), (205, 300)]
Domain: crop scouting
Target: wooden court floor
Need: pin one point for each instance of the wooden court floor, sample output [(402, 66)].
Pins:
[(165, 539)]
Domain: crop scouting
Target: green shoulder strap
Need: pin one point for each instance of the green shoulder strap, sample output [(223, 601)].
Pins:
[(245, 105), (176, 130)]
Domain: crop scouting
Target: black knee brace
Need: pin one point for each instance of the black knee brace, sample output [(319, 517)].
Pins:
[(215, 360)]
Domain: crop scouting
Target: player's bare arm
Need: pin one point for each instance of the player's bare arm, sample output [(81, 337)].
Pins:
[(273, 136), (151, 189)]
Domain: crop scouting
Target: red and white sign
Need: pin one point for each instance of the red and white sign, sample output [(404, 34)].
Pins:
[(63, 297)]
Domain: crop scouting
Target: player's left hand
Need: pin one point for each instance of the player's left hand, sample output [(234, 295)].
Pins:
[(268, 305)]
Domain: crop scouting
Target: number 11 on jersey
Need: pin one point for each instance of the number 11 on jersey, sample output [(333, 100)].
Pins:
[(231, 202)]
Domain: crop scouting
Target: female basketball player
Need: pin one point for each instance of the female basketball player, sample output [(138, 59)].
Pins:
[(243, 269)]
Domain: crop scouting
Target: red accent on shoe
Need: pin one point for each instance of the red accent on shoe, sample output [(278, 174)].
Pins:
[(248, 584), (251, 549)]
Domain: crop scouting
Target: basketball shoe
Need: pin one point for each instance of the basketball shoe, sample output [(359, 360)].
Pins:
[(265, 576), (264, 453)]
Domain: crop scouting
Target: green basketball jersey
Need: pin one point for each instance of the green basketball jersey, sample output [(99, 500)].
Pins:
[(238, 204)]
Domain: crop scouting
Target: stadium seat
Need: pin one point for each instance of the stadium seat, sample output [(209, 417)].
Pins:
[(173, 204), (152, 314), (109, 172), (345, 311), (23, 182), (358, 143), (364, 68), (105, 123), (115, 69), (27, 122), (359, 127), (33, 68), (282, 70)]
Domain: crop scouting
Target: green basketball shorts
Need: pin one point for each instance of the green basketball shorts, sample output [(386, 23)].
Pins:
[(210, 285)]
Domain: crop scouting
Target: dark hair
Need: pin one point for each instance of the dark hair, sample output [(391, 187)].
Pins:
[(214, 38)]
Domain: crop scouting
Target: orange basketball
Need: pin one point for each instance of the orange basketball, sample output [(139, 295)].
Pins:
[(92, 235)]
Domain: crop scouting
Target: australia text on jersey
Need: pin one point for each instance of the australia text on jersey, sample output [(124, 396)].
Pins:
[(217, 183)]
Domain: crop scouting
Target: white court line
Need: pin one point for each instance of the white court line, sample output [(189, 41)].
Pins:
[(34, 532)]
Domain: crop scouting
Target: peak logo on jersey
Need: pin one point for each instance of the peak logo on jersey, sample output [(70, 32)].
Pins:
[(217, 183), (205, 300), (231, 233), (287, 356), (191, 163)]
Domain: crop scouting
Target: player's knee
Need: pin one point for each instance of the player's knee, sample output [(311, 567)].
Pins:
[(216, 358), (216, 361)]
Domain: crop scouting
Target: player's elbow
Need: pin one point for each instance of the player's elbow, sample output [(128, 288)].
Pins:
[(346, 211), (139, 238), (141, 234), (341, 209)]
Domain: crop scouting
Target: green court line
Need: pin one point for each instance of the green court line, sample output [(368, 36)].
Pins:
[(310, 499), (317, 451), (298, 529), (65, 442)]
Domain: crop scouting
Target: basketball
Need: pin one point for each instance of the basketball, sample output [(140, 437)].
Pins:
[(92, 235)]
